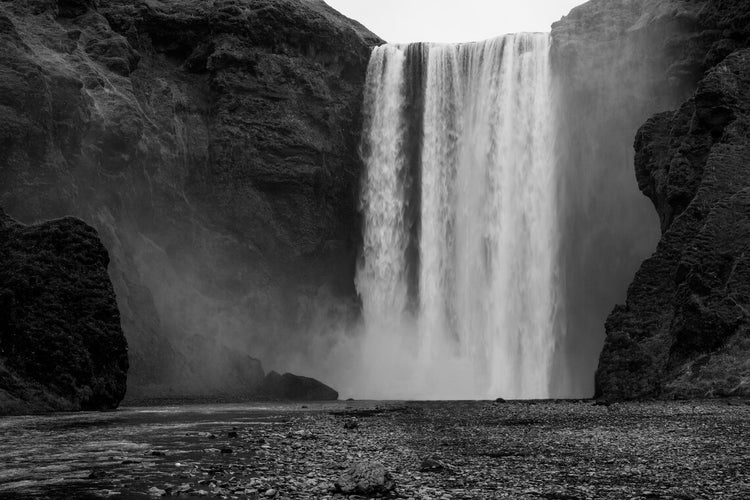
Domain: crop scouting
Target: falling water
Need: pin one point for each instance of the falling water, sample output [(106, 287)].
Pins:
[(460, 260)]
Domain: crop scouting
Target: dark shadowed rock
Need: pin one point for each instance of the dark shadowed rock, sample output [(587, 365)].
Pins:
[(617, 62), (685, 328), (365, 478), (213, 145), (612, 64), (294, 388), (61, 345), (433, 464)]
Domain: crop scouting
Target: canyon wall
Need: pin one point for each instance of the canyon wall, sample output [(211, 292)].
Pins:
[(615, 63), (684, 330), (213, 145)]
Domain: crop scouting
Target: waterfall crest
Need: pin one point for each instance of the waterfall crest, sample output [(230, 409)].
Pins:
[(459, 272)]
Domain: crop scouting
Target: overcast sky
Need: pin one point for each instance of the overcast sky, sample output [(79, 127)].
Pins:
[(452, 20)]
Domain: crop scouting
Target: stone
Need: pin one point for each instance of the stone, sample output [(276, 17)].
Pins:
[(365, 478), (61, 344), (294, 388), (432, 464), (351, 423), (183, 488), (156, 492), (97, 474)]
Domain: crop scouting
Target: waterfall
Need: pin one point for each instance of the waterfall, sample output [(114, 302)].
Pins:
[(458, 276)]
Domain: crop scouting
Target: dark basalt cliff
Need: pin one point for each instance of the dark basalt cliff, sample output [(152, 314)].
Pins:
[(614, 63), (61, 345), (684, 330), (213, 144)]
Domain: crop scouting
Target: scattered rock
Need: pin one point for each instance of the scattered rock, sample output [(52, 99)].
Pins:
[(365, 478), (351, 423), (432, 464), (183, 488), (295, 388), (156, 492)]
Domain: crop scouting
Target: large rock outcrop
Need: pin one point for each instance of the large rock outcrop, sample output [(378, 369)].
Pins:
[(61, 345), (684, 330), (213, 144), (614, 63), (294, 388)]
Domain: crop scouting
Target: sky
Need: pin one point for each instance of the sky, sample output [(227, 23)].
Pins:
[(402, 21)]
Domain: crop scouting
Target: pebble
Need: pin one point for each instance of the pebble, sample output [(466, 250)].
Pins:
[(157, 492), (480, 451)]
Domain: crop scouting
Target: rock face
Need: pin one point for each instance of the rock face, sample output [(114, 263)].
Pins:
[(614, 63), (213, 145), (61, 345), (294, 388), (684, 330)]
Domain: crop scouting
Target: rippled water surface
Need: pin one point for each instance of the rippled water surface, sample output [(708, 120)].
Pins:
[(95, 454)]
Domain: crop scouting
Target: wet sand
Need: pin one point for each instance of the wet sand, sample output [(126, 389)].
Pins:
[(523, 450)]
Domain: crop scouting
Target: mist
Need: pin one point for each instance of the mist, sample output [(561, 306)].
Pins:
[(603, 228), (234, 248)]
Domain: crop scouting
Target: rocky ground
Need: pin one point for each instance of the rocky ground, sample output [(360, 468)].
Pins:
[(522, 450)]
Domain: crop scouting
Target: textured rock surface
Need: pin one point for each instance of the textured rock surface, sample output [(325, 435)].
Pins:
[(615, 63), (213, 144), (365, 478), (683, 331), (294, 388), (61, 345)]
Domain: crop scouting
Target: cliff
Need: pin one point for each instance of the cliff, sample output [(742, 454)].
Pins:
[(683, 330), (213, 145), (614, 63), (61, 345)]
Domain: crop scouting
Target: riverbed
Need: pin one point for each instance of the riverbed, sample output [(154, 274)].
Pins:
[(433, 450)]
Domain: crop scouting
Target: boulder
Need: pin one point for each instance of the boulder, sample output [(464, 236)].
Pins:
[(294, 388), (61, 344), (365, 478)]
